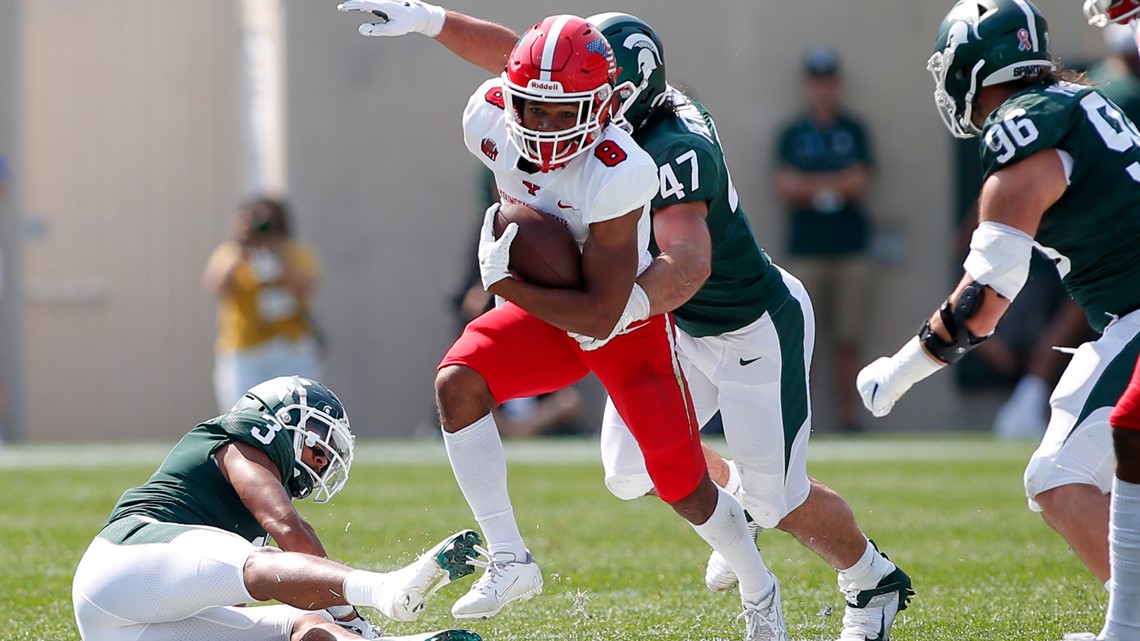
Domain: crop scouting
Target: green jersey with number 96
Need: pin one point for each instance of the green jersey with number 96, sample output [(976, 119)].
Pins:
[(1092, 233), (189, 488), (691, 167)]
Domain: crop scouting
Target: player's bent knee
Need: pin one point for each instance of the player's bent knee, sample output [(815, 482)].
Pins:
[(462, 396), (630, 486), (258, 566)]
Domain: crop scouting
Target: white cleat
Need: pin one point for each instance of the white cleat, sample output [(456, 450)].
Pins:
[(764, 621), (404, 595), (719, 575), (870, 614), (505, 579)]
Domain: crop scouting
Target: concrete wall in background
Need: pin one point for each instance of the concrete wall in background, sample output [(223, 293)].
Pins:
[(130, 172)]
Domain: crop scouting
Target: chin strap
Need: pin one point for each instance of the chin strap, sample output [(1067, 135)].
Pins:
[(954, 319)]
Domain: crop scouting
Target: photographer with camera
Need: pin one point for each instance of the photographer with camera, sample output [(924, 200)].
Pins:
[(264, 280)]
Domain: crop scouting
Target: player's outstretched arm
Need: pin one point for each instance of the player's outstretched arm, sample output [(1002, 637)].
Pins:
[(258, 483), (1012, 202), (480, 42)]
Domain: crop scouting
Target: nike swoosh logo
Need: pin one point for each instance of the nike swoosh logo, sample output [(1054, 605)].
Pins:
[(499, 594), (565, 206), (633, 327), (749, 361), (873, 392)]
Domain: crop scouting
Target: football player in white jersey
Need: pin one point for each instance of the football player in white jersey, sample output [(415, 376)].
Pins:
[(544, 129)]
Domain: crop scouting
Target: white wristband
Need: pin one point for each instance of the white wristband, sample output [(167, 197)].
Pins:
[(638, 306), (436, 17), (912, 364)]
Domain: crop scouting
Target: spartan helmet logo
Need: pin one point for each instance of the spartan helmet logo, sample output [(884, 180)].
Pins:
[(648, 57)]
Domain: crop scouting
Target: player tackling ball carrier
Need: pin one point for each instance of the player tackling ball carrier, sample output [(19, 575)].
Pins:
[(544, 129), (728, 299), (180, 553), (1062, 176)]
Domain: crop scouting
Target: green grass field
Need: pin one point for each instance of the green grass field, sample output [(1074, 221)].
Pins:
[(950, 511)]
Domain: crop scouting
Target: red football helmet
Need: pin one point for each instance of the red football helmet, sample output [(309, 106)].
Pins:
[(1103, 12), (564, 60)]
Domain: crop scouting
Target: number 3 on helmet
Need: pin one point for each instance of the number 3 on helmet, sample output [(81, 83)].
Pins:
[(1103, 12), (561, 60)]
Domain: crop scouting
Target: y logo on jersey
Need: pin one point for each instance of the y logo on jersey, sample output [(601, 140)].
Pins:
[(531, 187)]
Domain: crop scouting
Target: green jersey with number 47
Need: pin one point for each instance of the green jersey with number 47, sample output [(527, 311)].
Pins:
[(691, 166), (1092, 233), (189, 488)]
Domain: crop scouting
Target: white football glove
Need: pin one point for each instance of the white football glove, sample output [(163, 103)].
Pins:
[(398, 17), (356, 623), (883, 382), (636, 309), (494, 255)]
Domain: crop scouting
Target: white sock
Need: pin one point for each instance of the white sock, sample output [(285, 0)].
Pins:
[(867, 571), (362, 587), (480, 467), (1123, 616), (727, 532)]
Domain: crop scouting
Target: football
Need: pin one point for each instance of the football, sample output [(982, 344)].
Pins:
[(544, 251)]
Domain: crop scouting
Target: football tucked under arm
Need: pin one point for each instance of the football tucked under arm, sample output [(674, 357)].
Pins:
[(543, 252)]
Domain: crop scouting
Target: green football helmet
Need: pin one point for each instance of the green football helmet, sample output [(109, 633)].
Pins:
[(983, 43), (641, 66), (317, 419)]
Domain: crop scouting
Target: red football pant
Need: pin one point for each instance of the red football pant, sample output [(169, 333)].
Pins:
[(1126, 414), (519, 355)]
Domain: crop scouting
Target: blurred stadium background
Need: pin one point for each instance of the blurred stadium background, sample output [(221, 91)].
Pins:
[(134, 128)]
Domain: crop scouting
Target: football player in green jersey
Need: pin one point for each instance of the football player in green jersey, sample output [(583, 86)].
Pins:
[(1061, 175), (1122, 618), (746, 326), (181, 553)]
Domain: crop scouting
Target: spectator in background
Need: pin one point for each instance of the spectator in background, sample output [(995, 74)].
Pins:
[(264, 280), (825, 162), (551, 414)]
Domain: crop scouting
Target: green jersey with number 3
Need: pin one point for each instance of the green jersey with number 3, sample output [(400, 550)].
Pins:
[(1092, 233), (189, 488), (691, 167)]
